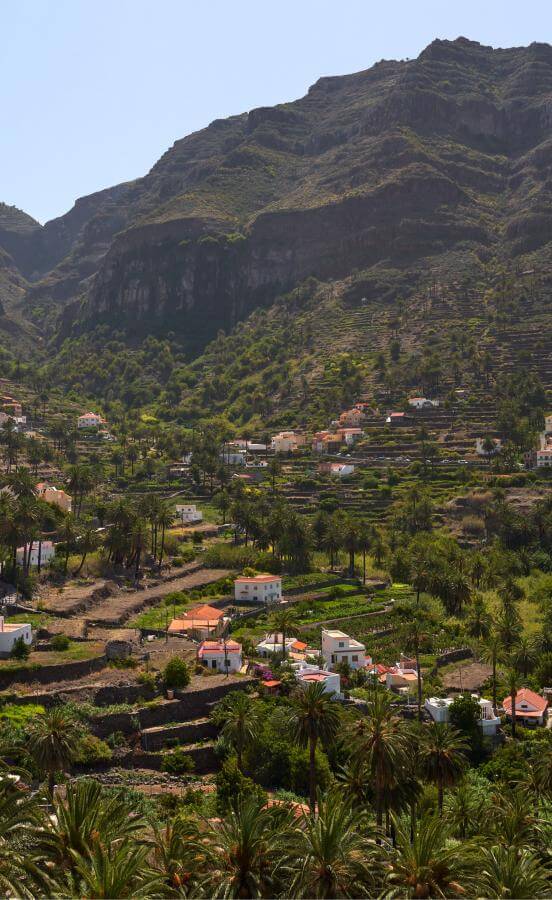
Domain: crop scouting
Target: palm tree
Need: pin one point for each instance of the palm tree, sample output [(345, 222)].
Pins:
[(315, 717), (511, 872), (88, 541), (382, 742), (492, 652), (20, 822), (442, 757), (52, 741), (284, 620), (175, 853), (425, 864), (525, 656), (513, 684), (68, 534), (164, 521), (241, 853), (351, 544), (332, 855), (364, 544), (240, 720)]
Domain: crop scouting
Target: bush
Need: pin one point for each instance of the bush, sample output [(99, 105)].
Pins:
[(92, 749), (176, 673), (60, 642), (233, 785), (178, 762), (20, 649), (148, 679)]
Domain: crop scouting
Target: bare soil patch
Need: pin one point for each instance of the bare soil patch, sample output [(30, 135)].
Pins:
[(466, 676)]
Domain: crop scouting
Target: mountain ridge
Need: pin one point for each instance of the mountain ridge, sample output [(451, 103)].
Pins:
[(440, 163)]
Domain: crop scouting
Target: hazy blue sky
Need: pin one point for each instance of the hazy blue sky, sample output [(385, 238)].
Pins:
[(94, 91)]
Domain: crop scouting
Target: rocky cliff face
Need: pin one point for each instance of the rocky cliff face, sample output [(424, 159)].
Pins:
[(406, 164)]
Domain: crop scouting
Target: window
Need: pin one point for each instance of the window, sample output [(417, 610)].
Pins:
[(341, 644), (354, 658), (333, 657), (214, 664)]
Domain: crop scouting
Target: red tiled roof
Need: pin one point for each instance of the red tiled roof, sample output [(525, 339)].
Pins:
[(257, 579), (299, 645), (524, 695)]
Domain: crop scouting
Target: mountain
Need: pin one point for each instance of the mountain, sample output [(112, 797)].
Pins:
[(435, 168)]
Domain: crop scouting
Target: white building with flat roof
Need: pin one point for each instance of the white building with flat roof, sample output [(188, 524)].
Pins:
[(439, 710), (338, 647), (258, 589), (10, 632), (188, 513), (44, 551)]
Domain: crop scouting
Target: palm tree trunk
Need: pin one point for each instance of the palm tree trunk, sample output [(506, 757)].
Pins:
[(440, 795), (51, 784), (364, 566), (81, 564), (418, 680), (312, 774)]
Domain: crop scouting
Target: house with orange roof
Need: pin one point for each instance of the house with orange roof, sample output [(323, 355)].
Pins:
[(55, 496), (401, 678), (262, 588), (200, 622), (220, 656), (531, 708), (352, 418), (306, 674)]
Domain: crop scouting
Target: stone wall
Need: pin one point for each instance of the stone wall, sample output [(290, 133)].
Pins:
[(187, 733), (49, 674), (453, 656)]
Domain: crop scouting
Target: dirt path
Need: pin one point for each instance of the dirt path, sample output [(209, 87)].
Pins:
[(114, 610), (76, 599)]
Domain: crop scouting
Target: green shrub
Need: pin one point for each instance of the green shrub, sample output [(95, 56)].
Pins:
[(176, 673), (178, 762), (20, 715), (233, 785), (148, 679), (20, 649), (92, 749), (60, 642)]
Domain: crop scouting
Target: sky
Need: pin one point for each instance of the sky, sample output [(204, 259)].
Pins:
[(92, 92)]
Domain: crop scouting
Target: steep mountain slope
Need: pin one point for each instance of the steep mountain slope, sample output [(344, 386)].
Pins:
[(437, 165)]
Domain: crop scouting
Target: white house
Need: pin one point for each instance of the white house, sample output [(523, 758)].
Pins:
[(222, 656), (402, 677), (422, 403), (47, 552), (341, 470), (548, 424), (233, 457), (338, 647), (287, 441), (531, 708), (90, 420), (439, 710), (258, 588), (272, 644), (10, 632), (480, 446), (306, 674), (188, 513)]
